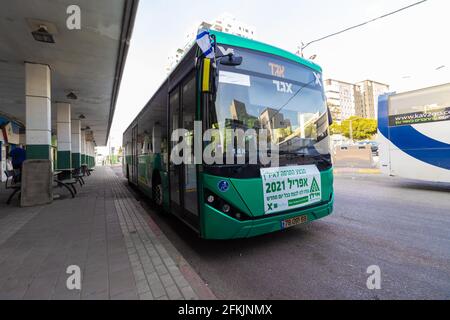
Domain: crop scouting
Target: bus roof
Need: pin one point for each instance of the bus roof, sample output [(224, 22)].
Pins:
[(232, 40)]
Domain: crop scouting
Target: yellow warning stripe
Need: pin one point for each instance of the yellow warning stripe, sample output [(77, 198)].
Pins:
[(206, 71)]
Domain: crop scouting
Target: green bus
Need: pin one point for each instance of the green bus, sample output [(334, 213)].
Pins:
[(249, 85)]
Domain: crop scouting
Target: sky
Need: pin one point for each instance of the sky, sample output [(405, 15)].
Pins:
[(402, 50)]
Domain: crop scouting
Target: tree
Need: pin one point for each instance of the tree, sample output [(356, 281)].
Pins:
[(362, 128), (336, 128)]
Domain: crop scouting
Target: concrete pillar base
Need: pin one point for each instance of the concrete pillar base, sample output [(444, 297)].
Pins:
[(37, 183)]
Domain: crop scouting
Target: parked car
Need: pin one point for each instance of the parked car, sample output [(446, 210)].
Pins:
[(373, 146)]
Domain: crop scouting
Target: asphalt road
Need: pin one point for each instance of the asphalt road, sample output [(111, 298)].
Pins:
[(401, 226)]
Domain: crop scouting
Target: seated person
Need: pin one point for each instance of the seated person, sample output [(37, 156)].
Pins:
[(18, 156)]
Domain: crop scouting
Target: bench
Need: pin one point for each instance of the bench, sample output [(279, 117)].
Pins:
[(86, 170), (10, 183), (68, 183), (78, 175)]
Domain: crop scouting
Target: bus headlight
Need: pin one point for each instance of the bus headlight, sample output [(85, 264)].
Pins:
[(221, 205), (210, 199)]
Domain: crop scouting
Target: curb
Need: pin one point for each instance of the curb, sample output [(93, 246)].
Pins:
[(198, 285), (356, 170)]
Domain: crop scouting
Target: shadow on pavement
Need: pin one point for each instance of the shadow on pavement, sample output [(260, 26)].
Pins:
[(423, 185), (181, 234)]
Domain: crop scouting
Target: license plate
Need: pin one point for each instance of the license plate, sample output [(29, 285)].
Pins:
[(293, 222)]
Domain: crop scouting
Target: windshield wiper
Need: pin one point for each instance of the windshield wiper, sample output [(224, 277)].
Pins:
[(302, 154), (293, 153)]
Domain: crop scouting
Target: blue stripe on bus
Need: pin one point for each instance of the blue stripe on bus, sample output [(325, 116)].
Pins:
[(383, 114), (411, 141), (420, 146)]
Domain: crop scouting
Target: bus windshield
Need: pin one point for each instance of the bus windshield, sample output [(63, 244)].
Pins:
[(268, 92)]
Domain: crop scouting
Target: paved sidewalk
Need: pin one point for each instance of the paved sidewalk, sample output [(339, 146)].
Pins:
[(104, 230)]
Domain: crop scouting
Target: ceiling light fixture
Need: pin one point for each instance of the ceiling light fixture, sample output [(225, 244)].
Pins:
[(81, 116), (42, 35), (72, 96)]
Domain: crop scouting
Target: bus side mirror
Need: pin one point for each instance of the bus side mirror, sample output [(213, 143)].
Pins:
[(231, 60), (330, 117)]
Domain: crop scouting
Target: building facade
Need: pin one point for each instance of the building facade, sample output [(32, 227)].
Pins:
[(345, 99), (366, 98), (224, 23), (340, 99)]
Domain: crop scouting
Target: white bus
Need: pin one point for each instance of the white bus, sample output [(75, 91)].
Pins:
[(414, 134)]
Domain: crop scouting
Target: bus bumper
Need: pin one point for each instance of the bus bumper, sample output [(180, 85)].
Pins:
[(220, 226)]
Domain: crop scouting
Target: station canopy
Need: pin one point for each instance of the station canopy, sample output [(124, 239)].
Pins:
[(86, 64)]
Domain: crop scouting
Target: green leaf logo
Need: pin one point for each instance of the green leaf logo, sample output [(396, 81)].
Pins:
[(314, 186)]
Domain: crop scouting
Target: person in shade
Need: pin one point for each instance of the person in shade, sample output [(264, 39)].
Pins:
[(18, 156)]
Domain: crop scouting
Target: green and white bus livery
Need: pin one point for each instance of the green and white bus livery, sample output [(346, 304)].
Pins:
[(250, 85)]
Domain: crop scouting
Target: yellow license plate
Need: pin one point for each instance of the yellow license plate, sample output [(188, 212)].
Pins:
[(293, 222)]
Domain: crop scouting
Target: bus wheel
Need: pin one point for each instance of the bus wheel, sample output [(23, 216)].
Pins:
[(158, 194)]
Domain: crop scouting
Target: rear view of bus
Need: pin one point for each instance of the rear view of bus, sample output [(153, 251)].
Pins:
[(414, 134), (282, 93)]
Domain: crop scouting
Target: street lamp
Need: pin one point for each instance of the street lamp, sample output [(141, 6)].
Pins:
[(351, 130), (407, 76)]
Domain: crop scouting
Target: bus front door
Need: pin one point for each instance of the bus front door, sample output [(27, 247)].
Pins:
[(183, 177)]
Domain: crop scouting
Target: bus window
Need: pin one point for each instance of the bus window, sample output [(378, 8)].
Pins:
[(420, 106)]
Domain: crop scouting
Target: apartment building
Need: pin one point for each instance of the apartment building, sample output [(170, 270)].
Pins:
[(340, 99), (345, 99), (366, 98), (224, 23)]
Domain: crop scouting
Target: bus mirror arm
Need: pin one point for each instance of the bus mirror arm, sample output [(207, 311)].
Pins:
[(233, 60), (330, 117)]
